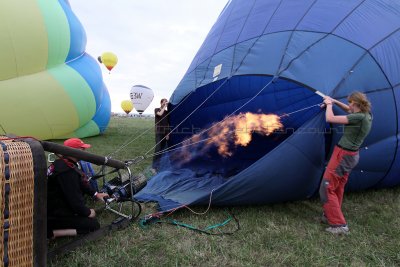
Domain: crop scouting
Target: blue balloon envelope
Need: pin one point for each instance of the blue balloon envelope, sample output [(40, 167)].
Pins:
[(273, 57)]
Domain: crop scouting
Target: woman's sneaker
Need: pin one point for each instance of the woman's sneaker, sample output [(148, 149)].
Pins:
[(340, 230)]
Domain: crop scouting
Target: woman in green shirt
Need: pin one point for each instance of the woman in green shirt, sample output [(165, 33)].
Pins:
[(345, 156)]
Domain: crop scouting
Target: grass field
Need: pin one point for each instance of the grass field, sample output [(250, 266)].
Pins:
[(285, 234)]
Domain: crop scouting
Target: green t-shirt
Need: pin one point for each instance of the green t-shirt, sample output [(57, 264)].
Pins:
[(356, 130)]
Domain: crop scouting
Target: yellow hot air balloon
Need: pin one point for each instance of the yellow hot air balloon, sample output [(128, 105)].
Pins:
[(109, 60), (127, 106)]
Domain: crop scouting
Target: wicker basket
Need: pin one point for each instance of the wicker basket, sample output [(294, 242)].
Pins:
[(23, 203)]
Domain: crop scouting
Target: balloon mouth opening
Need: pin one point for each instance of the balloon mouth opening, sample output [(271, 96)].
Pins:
[(281, 97)]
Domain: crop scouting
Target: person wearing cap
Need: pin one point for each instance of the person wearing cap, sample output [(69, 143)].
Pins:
[(67, 213), (85, 166)]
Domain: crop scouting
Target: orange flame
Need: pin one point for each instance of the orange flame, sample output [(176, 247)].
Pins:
[(229, 133)]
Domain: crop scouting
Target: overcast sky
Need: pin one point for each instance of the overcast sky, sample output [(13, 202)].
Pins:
[(155, 40)]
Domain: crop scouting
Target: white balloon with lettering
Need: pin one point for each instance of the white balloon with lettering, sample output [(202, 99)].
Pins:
[(141, 97)]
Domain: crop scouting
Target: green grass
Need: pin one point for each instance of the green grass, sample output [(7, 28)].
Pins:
[(283, 234)]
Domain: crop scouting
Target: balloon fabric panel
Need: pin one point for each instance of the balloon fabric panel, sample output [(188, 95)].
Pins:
[(58, 32), (43, 119), (20, 27), (61, 100)]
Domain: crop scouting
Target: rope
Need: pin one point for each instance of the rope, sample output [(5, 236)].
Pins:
[(206, 230), (1, 126), (176, 148), (170, 211), (302, 109)]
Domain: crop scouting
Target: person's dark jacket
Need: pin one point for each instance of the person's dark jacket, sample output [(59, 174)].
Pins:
[(66, 186), (162, 126)]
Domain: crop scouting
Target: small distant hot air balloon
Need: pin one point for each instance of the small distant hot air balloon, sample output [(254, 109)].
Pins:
[(109, 60), (127, 106), (141, 97)]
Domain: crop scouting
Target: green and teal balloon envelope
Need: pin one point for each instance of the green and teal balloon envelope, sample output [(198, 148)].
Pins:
[(50, 88)]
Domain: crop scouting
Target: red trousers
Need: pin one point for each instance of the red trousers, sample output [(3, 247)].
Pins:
[(334, 180)]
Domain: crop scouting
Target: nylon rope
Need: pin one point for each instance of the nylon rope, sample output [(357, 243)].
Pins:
[(172, 210), (1, 126)]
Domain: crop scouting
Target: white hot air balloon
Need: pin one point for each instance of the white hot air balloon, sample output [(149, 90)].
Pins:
[(141, 97)]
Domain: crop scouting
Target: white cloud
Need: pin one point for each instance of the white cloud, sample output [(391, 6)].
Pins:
[(155, 40)]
